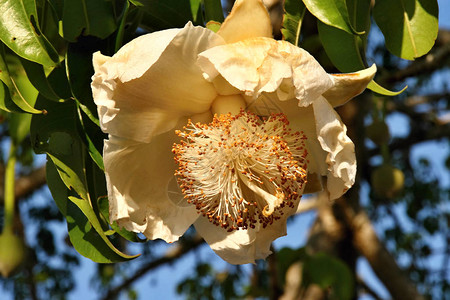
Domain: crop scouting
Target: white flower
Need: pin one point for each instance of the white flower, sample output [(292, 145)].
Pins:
[(241, 173)]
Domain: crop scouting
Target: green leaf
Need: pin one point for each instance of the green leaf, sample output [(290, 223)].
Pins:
[(347, 51), (94, 145), (19, 30), (37, 77), (410, 27), (59, 83), (79, 71), (50, 132), (327, 272), (121, 30), (165, 14), (331, 12), (285, 258), (11, 99), (213, 10), (85, 239), (104, 210), (6, 103), (343, 49), (19, 123), (57, 134), (375, 87), (69, 176), (197, 11), (294, 10), (87, 17), (89, 213)]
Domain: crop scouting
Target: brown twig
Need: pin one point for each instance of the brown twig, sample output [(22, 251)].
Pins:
[(383, 264), (176, 251)]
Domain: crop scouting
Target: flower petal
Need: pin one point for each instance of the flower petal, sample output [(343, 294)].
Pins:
[(138, 176), (341, 160), (243, 246), (153, 80), (331, 153), (347, 86), (262, 65), (300, 119), (248, 19)]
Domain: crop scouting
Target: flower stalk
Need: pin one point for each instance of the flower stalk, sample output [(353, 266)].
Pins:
[(9, 189)]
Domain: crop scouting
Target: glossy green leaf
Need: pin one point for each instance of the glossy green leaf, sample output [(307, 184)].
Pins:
[(89, 213), (331, 12), (11, 99), (375, 87), (37, 77), (294, 10), (69, 176), (50, 14), (75, 183), (410, 27), (19, 123), (85, 239), (87, 17), (165, 14), (347, 51), (19, 30), (329, 272), (343, 49), (56, 133), (359, 16), (6, 103)]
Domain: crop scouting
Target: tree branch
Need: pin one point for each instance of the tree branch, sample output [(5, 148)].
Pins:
[(367, 289), (27, 184), (383, 264), (176, 251), (433, 61)]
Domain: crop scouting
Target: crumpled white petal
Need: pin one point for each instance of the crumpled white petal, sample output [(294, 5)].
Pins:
[(247, 19), (153, 80), (341, 159), (243, 246), (330, 151), (349, 85), (138, 175), (262, 65)]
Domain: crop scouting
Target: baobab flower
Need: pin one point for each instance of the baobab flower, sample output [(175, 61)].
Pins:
[(221, 130)]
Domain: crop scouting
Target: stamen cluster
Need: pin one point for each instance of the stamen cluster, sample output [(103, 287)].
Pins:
[(241, 169)]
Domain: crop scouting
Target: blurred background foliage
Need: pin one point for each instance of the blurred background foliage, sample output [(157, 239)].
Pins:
[(396, 217)]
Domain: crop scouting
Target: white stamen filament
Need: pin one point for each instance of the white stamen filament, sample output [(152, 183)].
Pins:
[(240, 170)]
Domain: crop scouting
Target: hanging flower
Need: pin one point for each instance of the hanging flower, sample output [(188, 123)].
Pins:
[(222, 130)]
